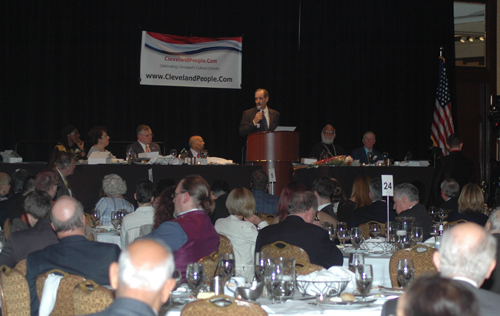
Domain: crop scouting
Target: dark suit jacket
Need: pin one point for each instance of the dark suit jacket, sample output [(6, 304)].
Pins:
[(138, 148), (246, 124), (359, 153), (488, 302), (329, 210), (313, 239), (74, 255), (451, 204), (422, 218), (455, 166), (493, 283), (377, 211), (335, 150), (220, 210), (265, 203), (127, 307), (21, 243)]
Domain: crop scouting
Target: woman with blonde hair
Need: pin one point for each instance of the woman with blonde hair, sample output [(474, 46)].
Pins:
[(470, 206), (241, 229), (359, 197)]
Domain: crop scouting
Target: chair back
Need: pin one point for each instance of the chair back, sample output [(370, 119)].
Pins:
[(282, 249), (89, 298), (225, 244), (145, 229), (365, 228), (210, 263), (307, 268), (64, 299), (222, 305), (88, 220), (421, 256), (266, 217), (14, 293), (451, 224), (6, 227), (21, 267)]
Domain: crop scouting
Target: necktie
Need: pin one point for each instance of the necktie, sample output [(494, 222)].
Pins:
[(264, 121), (147, 149)]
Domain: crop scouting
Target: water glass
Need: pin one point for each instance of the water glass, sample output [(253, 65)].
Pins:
[(115, 220), (95, 216), (279, 278), (195, 277), (173, 152), (356, 259), (434, 230), (356, 237), (417, 234), (177, 275), (406, 271), (374, 230), (227, 265), (364, 279), (391, 231), (260, 265)]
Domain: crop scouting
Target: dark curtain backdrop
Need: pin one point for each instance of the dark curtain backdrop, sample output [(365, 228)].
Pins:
[(360, 65)]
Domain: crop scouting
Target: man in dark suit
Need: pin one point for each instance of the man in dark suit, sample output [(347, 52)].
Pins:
[(261, 118), (21, 243), (196, 145), (455, 166), (406, 205), (298, 230), (74, 253), (450, 191), (323, 189), (467, 253), (361, 152), (265, 203), (144, 143), (377, 211), (493, 227), (142, 279), (64, 166)]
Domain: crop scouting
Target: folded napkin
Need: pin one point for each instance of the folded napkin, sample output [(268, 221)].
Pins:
[(219, 161), (164, 160), (49, 294)]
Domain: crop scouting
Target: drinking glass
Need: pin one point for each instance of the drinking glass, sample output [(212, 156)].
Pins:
[(342, 233), (406, 270), (332, 232), (434, 230), (115, 220), (95, 216), (370, 157), (356, 238), (374, 230), (204, 154), (260, 265), (442, 214), (417, 234), (226, 265), (391, 231), (364, 279), (279, 277), (177, 275), (433, 213), (173, 152), (356, 259), (195, 277)]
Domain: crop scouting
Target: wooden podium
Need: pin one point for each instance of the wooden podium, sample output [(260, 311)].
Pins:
[(274, 150)]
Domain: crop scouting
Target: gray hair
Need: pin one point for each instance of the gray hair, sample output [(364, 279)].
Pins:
[(4, 179), (470, 260), (148, 277), (301, 202), (114, 185), (450, 187), (408, 190), (494, 220), (376, 189), (64, 160), (74, 222)]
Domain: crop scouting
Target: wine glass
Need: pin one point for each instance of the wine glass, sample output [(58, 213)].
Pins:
[(115, 220), (391, 231), (370, 157), (356, 259), (342, 233), (434, 230), (364, 279), (260, 264), (195, 277), (374, 230), (95, 216), (433, 212), (177, 275), (226, 265), (406, 270), (173, 152), (356, 238), (417, 234), (442, 214)]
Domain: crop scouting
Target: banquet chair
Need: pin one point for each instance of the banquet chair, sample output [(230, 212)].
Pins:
[(89, 298), (305, 269), (14, 293), (88, 220), (210, 263), (6, 227), (282, 249), (365, 228), (64, 299), (21, 267), (451, 224), (225, 245), (222, 305), (266, 217), (421, 256)]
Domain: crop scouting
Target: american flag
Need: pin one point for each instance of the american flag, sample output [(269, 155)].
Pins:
[(442, 125)]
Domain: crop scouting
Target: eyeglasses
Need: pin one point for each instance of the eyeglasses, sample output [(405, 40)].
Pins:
[(327, 132), (175, 194), (74, 133), (104, 136)]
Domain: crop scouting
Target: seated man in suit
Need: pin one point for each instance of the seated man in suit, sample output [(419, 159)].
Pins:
[(260, 118), (265, 203), (144, 143), (377, 211), (467, 254), (298, 230), (144, 215), (323, 189), (196, 145), (21, 243), (74, 253), (64, 166), (450, 191), (406, 203), (142, 279), (326, 148), (361, 153)]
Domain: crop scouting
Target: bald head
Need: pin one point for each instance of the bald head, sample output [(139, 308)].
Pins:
[(466, 250), (196, 143), (67, 217)]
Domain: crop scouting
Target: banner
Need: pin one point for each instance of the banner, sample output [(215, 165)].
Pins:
[(169, 60)]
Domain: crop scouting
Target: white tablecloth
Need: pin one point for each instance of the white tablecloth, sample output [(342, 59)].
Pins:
[(380, 265), (112, 238)]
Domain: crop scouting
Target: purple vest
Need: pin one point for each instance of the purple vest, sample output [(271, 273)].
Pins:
[(202, 239)]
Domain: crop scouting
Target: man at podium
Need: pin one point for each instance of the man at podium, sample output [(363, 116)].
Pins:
[(261, 118)]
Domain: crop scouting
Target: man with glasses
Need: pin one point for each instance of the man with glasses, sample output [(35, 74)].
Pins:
[(326, 148), (144, 143)]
